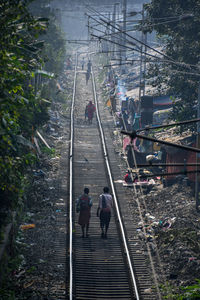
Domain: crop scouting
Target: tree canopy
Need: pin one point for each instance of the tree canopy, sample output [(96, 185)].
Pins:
[(177, 24)]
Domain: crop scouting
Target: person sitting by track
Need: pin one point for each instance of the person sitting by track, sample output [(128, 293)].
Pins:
[(128, 178)]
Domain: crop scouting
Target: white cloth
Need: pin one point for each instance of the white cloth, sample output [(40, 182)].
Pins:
[(109, 201)]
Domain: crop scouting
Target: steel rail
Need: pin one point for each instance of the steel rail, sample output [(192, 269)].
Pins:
[(113, 190), (71, 188)]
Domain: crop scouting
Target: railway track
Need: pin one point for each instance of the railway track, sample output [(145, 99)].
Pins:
[(114, 268)]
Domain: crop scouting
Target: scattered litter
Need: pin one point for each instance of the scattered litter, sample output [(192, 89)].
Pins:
[(27, 226), (39, 173), (20, 274), (192, 258), (28, 284), (60, 266), (148, 291), (58, 210), (29, 214)]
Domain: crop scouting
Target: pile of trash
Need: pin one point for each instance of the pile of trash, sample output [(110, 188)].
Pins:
[(173, 225)]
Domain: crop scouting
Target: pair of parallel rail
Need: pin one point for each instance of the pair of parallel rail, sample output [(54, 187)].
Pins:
[(98, 268)]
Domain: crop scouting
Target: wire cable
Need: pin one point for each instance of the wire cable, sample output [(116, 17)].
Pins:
[(144, 44)]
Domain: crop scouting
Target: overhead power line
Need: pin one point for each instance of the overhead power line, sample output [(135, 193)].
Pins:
[(155, 50), (168, 125), (133, 135)]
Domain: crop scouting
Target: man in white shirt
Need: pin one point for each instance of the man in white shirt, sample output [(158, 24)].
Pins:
[(105, 206)]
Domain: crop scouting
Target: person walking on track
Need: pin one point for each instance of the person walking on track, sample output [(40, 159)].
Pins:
[(83, 206), (89, 66), (90, 111), (82, 63), (87, 76), (86, 113), (105, 206)]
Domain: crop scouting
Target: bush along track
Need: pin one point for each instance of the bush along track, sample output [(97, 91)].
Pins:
[(28, 71)]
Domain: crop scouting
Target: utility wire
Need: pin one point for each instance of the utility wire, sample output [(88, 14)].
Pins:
[(155, 50), (142, 43), (155, 24), (146, 53), (168, 165), (168, 174), (168, 125), (151, 55), (107, 66), (133, 135), (127, 47), (96, 29)]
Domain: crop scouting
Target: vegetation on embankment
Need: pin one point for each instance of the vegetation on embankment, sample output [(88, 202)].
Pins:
[(30, 60)]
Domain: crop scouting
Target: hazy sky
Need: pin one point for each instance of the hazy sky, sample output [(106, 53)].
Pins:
[(73, 13)]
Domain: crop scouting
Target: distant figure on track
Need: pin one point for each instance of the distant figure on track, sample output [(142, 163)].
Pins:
[(86, 113), (69, 63), (89, 66), (89, 110), (82, 63), (87, 76), (105, 206), (83, 206)]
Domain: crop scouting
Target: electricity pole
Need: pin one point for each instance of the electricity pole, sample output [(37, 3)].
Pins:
[(197, 194), (113, 29), (124, 34), (141, 62)]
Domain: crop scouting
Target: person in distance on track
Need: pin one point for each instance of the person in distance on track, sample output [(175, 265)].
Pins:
[(90, 111), (89, 66), (87, 76), (83, 206), (86, 113), (105, 206), (82, 63)]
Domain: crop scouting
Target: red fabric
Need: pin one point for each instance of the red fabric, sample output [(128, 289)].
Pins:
[(91, 109), (127, 178), (84, 216), (127, 141)]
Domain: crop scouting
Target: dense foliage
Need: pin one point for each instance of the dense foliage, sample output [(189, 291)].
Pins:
[(177, 24), (22, 110)]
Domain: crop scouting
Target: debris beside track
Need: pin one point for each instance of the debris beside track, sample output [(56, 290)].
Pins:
[(177, 233), (172, 224), (42, 270)]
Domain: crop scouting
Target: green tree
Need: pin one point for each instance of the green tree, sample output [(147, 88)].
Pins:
[(177, 24), (23, 54)]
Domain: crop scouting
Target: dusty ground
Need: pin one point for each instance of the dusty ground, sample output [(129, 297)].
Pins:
[(174, 224)]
